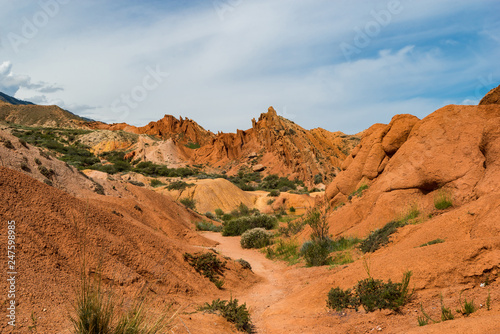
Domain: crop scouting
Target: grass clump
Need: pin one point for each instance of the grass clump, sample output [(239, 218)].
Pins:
[(446, 313), (189, 203), (95, 312), (372, 294), (208, 265), (207, 226), (256, 238), (240, 225), (432, 242), (443, 201), (358, 192), (232, 312), (467, 307), (285, 250)]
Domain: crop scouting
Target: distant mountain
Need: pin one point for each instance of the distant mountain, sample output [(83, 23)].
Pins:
[(13, 100)]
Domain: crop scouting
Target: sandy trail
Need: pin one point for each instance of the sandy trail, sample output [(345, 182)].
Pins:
[(261, 296)]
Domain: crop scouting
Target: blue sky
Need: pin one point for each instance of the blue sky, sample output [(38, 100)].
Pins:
[(341, 65)]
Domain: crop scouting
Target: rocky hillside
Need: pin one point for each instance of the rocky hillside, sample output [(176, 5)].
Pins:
[(28, 114)]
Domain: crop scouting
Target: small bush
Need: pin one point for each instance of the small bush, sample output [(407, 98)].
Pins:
[(48, 173), (379, 237), (255, 238), (189, 203), (274, 193), (316, 219), (240, 225), (219, 212), (244, 264), (359, 192), (292, 209), (443, 201), (156, 183), (7, 143), (207, 226), (136, 183), (432, 242), (179, 185), (316, 253), (208, 265), (24, 166), (38, 162), (210, 215), (340, 300), (270, 201), (372, 294), (230, 310)]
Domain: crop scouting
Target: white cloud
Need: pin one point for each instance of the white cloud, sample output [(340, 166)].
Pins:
[(280, 53)]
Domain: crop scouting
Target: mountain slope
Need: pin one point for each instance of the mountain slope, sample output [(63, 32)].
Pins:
[(13, 100)]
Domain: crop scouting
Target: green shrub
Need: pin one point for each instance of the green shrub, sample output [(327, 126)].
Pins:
[(318, 178), (443, 201), (208, 265), (316, 252), (192, 146), (358, 192), (207, 226), (48, 173), (189, 203), (432, 242), (38, 162), (340, 300), (24, 166), (270, 201), (210, 215), (7, 143), (379, 237), (179, 185), (156, 183), (239, 225), (274, 193), (372, 294), (317, 220), (230, 310), (255, 238), (136, 183), (219, 212), (292, 209)]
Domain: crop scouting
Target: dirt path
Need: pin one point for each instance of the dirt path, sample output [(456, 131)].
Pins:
[(261, 296)]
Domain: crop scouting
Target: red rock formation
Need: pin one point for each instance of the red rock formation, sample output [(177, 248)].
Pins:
[(284, 149), (493, 97)]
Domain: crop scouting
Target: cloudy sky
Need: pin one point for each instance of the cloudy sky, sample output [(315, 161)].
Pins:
[(337, 64)]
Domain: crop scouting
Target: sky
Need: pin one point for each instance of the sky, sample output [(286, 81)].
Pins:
[(342, 65)]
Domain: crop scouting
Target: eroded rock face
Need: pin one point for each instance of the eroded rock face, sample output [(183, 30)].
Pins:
[(455, 147), (493, 97)]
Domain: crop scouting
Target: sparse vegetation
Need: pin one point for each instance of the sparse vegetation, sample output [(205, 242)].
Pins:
[(156, 183), (372, 294), (192, 146), (189, 203), (273, 193), (318, 252), (285, 250), (467, 307), (443, 200), (293, 227), (256, 238), (179, 185), (446, 313), (208, 265), (232, 312), (208, 226), (48, 173), (244, 264), (380, 237), (358, 192), (432, 242)]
